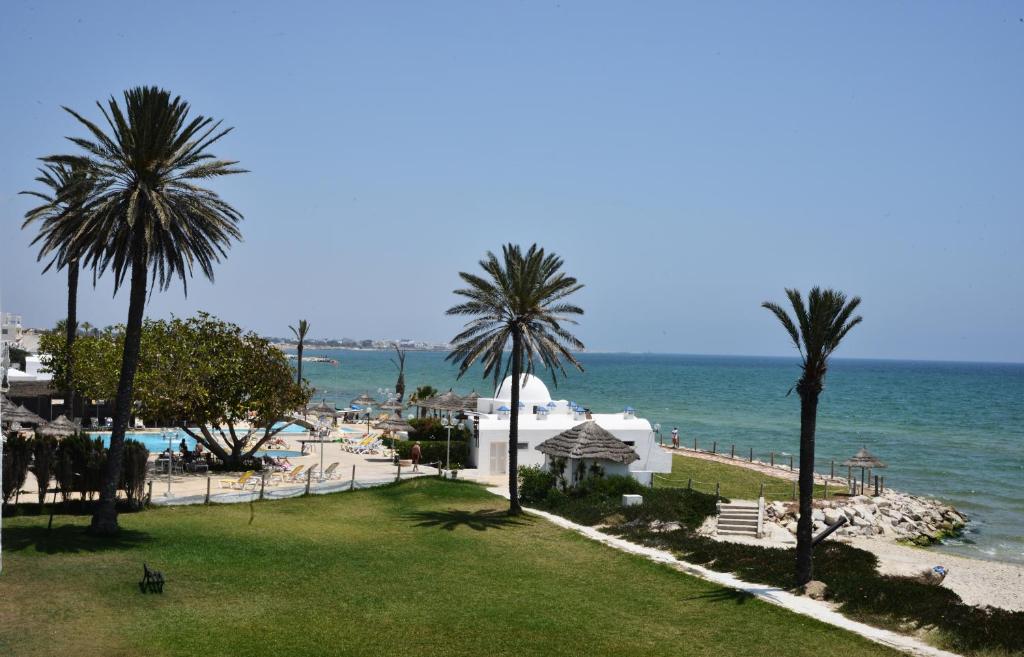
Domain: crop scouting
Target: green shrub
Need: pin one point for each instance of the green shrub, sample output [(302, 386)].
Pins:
[(433, 451), (17, 455), (535, 483), (80, 460), (44, 457), (430, 429), (133, 472)]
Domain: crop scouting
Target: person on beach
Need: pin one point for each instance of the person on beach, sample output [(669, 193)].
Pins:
[(675, 437), (417, 452)]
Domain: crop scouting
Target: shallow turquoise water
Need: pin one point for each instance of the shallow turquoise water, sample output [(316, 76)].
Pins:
[(951, 430)]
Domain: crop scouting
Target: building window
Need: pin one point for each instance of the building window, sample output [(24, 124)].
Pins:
[(522, 445)]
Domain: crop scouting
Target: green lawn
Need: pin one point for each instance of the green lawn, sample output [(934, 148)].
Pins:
[(736, 481), (423, 568)]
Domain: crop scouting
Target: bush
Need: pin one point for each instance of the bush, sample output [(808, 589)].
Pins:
[(17, 455), (44, 456), (535, 483), (434, 451), (133, 472), (430, 429), (80, 460)]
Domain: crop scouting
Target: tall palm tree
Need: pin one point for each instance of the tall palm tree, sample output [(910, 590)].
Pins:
[(64, 208), (300, 336), (520, 299), (820, 326), (148, 215)]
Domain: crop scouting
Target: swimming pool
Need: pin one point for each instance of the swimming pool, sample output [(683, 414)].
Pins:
[(156, 442), (278, 453)]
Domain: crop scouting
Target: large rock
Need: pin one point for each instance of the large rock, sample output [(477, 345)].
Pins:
[(791, 526), (818, 515), (831, 516), (815, 590)]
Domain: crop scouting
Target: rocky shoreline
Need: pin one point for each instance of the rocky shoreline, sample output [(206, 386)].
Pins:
[(892, 515)]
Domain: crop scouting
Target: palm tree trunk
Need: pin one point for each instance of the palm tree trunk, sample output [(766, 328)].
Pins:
[(298, 376), (104, 519), (804, 525), (513, 427), (71, 327)]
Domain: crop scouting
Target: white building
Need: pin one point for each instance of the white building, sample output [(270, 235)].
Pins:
[(541, 417), (10, 329)]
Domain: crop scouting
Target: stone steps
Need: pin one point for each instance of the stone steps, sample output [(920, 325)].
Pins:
[(738, 519)]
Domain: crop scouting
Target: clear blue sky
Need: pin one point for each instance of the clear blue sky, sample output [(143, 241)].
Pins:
[(687, 160)]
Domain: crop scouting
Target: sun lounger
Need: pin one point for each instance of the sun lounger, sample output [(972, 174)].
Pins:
[(239, 483), (291, 476), (329, 471)]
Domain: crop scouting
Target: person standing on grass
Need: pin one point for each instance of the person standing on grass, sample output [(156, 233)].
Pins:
[(675, 437), (417, 452)]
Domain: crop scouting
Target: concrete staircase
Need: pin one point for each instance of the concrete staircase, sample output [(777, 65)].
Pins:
[(741, 518)]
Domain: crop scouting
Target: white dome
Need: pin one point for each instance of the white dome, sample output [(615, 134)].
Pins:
[(531, 389)]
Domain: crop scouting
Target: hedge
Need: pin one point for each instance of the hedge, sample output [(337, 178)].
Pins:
[(433, 451)]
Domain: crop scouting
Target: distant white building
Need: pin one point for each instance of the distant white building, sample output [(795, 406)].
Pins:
[(541, 418), (10, 329)]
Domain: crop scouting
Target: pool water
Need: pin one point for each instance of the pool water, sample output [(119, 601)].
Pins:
[(156, 442), (278, 453)]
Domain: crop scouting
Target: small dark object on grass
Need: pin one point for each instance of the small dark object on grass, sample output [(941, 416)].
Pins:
[(152, 580)]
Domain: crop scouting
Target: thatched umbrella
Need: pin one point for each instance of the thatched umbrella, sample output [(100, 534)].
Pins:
[(469, 401), (323, 408), (588, 441), (364, 402), (864, 460), (395, 406), (393, 425), (449, 401), (61, 427), (21, 415)]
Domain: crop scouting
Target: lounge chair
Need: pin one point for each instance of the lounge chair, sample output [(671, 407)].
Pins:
[(239, 483), (329, 471), (291, 476)]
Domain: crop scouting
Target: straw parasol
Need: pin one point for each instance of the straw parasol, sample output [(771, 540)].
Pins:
[(323, 408), (588, 441), (62, 426), (864, 460), (393, 424), (469, 401), (21, 415), (449, 401), (364, 400), (396, 406)]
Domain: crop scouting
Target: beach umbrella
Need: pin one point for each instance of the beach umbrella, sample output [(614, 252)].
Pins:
[(364, 400), (323, 408), (22, 415), (469, 401), (61, 427), (392, 405), (864, 460), (393, 425)]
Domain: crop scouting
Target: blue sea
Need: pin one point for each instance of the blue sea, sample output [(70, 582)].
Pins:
[(954, 431)]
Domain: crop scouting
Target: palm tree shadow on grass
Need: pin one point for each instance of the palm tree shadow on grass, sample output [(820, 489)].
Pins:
[(724, 595), (69, 539), (452, 519)]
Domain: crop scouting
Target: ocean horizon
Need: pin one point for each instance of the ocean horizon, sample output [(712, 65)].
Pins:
[(953, 430)]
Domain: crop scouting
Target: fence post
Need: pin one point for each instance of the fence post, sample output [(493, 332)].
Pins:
[(718, 490), (790, 462), (794, 490), (732, 452), (207, 500), (398, 477), (883, 484), (773, 459), (149, 495), (761, 493), (833, 469), (263, 483), (695, 443), (826, 489), (876, 485), (714, 447), (309, 479), (689, 484), (352, 486), (751, 454)]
